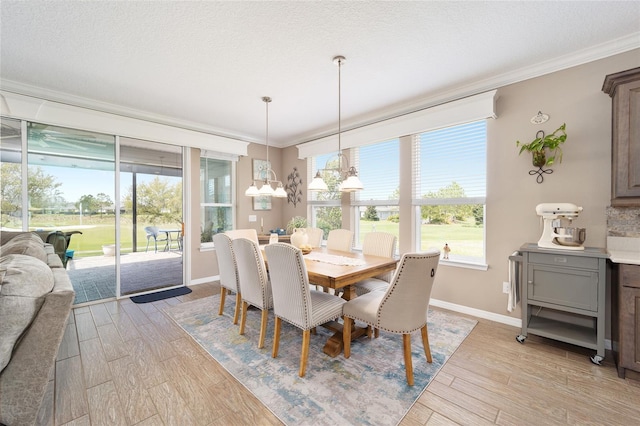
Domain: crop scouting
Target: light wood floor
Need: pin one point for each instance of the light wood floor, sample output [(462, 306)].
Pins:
[(124, 364)]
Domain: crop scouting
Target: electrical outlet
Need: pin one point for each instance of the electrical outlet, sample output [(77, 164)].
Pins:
[(506, 286)]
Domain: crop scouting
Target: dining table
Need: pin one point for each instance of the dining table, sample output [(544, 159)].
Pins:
[(339, 270), (172, 235)]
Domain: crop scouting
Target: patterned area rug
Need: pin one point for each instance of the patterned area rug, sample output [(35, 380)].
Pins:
[(369, 388)]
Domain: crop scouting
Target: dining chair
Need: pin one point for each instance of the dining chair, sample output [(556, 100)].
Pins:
[(255, 287), (293, 299), (315, 236), (402, 309), (340, 239), (153, 232), (381, 244), (228, 271), (249, 233)]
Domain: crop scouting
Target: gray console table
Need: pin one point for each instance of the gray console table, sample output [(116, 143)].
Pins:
[(563, 296)]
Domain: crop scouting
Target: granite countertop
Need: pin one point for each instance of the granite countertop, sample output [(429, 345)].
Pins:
[(624, 250)]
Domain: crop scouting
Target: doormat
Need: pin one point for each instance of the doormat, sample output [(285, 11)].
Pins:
[(159, 295)]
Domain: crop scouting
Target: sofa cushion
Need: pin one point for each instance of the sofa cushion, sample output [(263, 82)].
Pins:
[(26, 243), (24, 283)]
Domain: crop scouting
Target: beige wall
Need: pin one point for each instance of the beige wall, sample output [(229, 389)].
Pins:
[(572, 96)]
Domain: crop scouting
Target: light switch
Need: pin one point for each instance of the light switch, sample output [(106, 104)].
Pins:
[(253, 218)]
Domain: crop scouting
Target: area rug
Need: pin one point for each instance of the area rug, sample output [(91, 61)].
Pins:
[(369, 388)]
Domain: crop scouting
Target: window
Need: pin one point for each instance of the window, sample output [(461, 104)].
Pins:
[(450, 190), (324, 207), (377, 205), (216, 201)]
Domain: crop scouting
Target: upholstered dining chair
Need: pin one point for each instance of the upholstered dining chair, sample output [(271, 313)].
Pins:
[(381, 244), (249, 233), (402, 309), (340, 239), (228, 270), (315, 236), (255, 287), (294, 301)]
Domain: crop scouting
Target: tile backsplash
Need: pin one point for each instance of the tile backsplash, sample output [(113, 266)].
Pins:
[(623, 221)]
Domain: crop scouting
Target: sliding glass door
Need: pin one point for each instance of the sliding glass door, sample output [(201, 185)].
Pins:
[(151, 218), (71, 176), (118, 202)]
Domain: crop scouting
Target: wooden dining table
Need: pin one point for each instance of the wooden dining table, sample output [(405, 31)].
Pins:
[(339, 270)]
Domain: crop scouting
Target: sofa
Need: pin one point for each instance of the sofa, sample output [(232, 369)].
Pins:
[(36, 297)]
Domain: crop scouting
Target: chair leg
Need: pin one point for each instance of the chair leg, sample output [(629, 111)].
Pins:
[(263, 328), (346, 336), (304, 356), (406, 344), (243, 321), (223, 293), (276, 338), (147, 249), (425, 343), (236, 312)]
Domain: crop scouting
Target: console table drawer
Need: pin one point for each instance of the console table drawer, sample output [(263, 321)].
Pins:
[(565, 261)]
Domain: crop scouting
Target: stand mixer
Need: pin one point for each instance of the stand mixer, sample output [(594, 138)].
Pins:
[(554, 234)]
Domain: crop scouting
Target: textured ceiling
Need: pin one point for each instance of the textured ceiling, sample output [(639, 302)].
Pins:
[(206, 65)]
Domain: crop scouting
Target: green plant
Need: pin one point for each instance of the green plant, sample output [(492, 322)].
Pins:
[(296, 222), (541, 145)]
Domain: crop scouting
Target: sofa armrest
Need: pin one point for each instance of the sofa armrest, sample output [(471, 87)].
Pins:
[(24, 380)]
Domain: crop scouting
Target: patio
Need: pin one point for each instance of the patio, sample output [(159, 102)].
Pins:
[(94, 277)]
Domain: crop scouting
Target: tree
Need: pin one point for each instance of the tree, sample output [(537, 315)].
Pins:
[(87, 204), (42, 188), (446, 213), (103, 201), (158, 199), (328, 218), (371, 214)]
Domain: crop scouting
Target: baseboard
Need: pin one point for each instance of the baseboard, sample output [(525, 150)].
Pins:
[(204, 280), (503, 319)]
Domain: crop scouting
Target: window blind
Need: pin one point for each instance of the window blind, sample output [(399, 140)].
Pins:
[(449, 165), (379, 170)]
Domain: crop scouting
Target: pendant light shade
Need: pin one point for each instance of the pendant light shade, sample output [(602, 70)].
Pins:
[(266, 189), (349, 175)]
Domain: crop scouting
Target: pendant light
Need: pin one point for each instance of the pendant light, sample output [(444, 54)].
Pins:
[(266, 189), (348, 175)]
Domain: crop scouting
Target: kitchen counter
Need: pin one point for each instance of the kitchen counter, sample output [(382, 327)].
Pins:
[(624, 250)]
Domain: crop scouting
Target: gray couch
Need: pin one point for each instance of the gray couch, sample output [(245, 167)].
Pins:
[(36, 296)]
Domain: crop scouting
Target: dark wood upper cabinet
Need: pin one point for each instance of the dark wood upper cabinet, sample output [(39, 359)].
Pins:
[(624, 89)]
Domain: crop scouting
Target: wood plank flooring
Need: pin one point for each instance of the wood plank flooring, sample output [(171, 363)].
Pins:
[(127, 364)]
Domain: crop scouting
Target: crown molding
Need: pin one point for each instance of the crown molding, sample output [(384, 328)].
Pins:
[(594, 53), (600, 51)]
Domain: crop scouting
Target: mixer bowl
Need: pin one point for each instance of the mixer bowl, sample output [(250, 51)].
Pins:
[(570, 236)]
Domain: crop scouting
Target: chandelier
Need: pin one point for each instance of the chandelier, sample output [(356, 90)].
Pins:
[(266, 188), (348, 175)]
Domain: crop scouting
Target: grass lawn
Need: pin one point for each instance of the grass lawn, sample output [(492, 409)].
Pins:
[(463, 239)]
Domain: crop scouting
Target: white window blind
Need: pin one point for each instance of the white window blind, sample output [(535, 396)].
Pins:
[(450, 165), (379, 170)]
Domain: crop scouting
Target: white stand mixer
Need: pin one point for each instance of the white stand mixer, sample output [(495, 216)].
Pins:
[(554, 235)]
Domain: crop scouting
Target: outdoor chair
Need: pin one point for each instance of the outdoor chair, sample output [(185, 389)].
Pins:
[(153, 232), (402, 309), (294, 301), (254, 284), (228, 270)]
